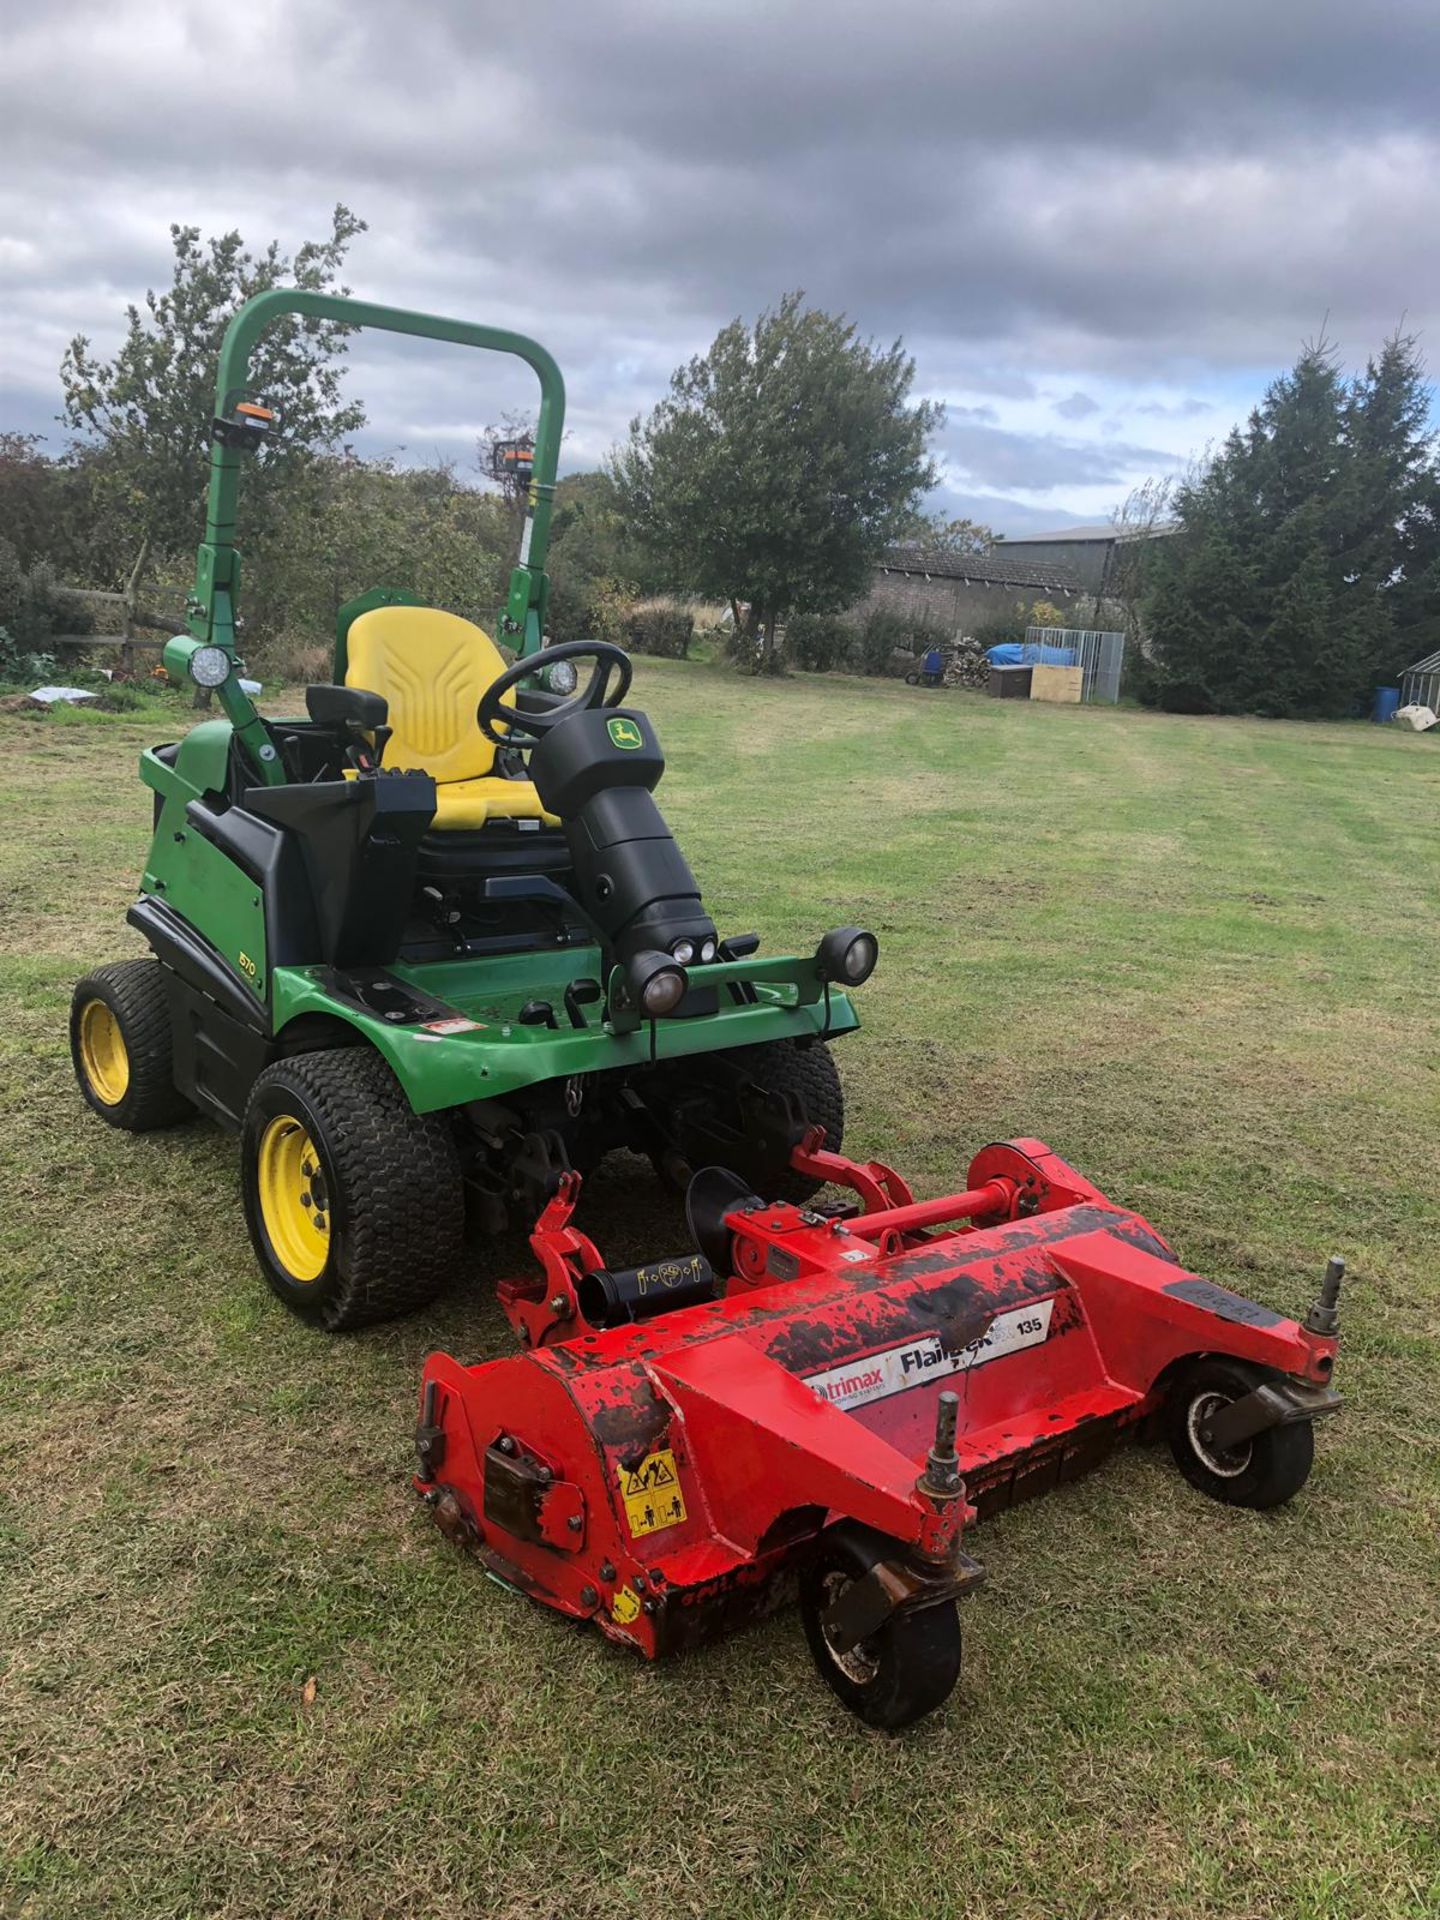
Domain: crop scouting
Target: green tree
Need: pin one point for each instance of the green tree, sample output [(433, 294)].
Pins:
[(778, 466), (1303, 546), (149, 409), (934, 533), (350, 525)]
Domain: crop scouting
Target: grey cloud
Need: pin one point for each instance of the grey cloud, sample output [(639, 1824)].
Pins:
[(1188, 409), (1077, 406), (1042, 462), (1030, 195)]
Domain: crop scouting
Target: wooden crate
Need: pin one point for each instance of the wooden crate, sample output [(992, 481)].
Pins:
[(1058, 683)]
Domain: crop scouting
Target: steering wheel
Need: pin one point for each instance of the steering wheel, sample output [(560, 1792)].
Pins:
[(494, 711)]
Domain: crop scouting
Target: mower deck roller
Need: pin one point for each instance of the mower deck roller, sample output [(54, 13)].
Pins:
[(866, 1383)]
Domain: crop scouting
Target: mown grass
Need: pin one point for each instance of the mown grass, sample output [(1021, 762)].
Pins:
[(1197, 957)]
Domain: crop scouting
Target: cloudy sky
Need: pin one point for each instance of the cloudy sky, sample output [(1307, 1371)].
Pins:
[(1100, 228)]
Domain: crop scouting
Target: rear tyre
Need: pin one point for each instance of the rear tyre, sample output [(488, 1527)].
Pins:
[(907, 1669), (354, 1202), (1264, 1471), (811, 1078), (120, 1043)]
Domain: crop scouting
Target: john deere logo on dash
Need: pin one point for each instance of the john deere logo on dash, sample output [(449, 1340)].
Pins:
[(625, 733)]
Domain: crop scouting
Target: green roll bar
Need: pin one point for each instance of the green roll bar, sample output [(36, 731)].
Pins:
[(210, 608)]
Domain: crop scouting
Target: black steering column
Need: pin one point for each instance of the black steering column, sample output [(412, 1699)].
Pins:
[(595, 765)]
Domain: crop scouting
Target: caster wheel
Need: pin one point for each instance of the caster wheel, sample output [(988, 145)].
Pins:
[(905, 1670), (1264, 1471)]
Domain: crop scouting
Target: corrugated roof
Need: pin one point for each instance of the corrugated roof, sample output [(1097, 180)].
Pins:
[(1096, 530), (994, 569)]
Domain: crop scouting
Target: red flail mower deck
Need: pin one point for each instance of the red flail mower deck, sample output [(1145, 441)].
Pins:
[(840, 1393)]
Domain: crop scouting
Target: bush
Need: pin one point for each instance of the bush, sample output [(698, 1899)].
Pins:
[(893, 642), (597, 609), (820, 642), (659, 627), (23, 665), (295, 658), (882, 636), (35, 607), (121, 697)]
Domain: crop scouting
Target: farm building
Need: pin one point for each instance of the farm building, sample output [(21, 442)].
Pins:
[(1087, 552)]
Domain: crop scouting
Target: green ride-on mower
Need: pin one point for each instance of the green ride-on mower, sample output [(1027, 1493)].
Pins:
[(432, 948)]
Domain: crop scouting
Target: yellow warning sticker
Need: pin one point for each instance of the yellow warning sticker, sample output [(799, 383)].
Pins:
[(625, 1607), (651, 1492)]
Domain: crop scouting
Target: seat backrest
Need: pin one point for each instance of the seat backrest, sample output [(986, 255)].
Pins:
[(431, 668)]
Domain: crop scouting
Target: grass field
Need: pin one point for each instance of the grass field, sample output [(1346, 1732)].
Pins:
[(1198, 957)]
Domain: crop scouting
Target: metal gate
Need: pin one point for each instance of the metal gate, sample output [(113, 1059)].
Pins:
[(1100, 657)]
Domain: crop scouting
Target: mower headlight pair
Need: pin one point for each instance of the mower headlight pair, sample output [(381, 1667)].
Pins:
[(686, 952), (657, 982), (847, 956)]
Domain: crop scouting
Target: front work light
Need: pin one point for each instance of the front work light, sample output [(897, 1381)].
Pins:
[(657, 983), (209, 666), (846, 956), (561, 678)]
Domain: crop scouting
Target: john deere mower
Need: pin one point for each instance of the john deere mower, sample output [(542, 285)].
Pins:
[(432, 947), (433, 950)]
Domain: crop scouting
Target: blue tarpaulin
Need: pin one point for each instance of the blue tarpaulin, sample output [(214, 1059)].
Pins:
[(1022, 653)]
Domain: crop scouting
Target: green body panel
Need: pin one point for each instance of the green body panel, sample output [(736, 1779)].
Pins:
[(202, 764), (210, 892), (190, 875), (499, 1057)]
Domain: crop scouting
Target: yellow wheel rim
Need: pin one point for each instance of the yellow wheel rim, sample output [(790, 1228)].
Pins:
[(102, 1053), (294, 1199)]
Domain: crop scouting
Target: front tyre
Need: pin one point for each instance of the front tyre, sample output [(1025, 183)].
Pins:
[(809, 1076), (354, 1202), (1264, 1471), (120, 1043), (908, 1667)]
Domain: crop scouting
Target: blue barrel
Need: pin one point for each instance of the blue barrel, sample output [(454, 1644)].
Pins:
[(1387, 699)]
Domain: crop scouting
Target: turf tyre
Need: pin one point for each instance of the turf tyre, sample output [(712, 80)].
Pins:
[(810, 1076), (139, 1003), (394, 1192), (905, 1670), (1264, 1471)]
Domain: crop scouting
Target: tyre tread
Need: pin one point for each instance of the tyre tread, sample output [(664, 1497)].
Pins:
[(137, 993), (405, 1243)]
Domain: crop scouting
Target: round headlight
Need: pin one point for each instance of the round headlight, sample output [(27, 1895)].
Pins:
[(663, 991), (210, 666), (847, 956), (707, 951), (860, 958), (562, 677), (684, 951)]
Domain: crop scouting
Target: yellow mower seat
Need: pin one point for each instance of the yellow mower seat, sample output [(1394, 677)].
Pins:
[(431, 669)]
